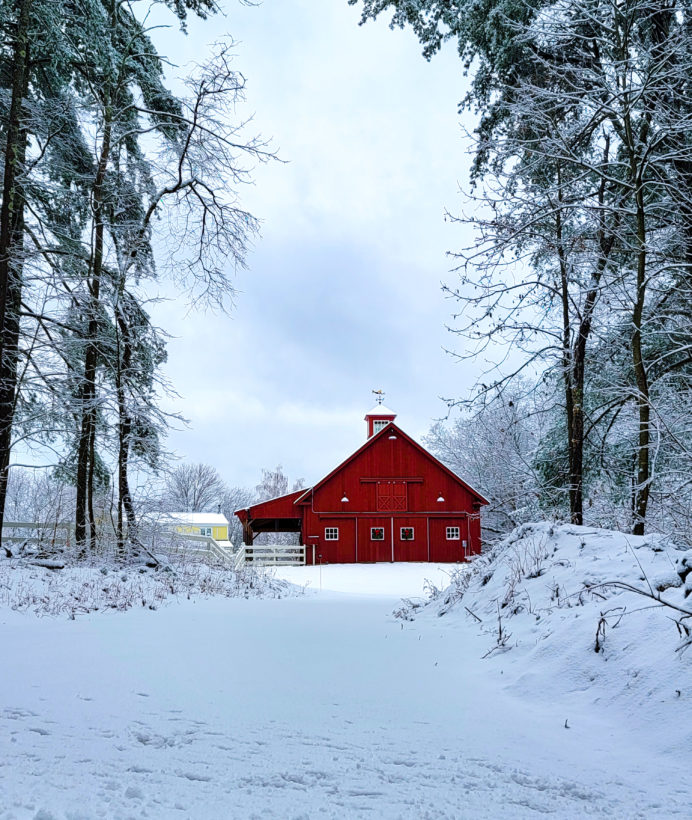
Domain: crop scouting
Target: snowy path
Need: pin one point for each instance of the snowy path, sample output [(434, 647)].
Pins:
[(317, 706)]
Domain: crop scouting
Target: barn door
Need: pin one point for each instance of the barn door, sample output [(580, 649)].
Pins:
[(391, 496), (374, 540)]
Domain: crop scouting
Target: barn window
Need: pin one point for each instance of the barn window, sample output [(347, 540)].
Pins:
[(452, 533), (378, 425), (205, 531), (377, 533), (331, 533), (407, 533)]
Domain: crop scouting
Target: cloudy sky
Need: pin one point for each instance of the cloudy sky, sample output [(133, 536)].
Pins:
[(342, 293)]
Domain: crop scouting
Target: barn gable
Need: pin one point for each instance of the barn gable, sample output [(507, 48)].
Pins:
[(389, 455)]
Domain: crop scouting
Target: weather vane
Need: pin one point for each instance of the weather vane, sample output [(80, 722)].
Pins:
[(380, 395)]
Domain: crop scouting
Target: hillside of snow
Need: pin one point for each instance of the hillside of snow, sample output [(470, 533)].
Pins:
[(577, 614), (320, 694)]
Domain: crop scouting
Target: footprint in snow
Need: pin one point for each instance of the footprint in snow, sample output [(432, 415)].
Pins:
[(202, 778), (17, 714)]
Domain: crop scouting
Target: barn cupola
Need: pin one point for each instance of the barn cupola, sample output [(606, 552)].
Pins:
[(379, 416)]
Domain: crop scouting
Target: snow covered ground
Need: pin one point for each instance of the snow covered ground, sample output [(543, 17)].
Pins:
[(325, 705)]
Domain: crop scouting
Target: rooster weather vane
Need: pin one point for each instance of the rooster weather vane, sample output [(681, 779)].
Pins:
[(379, 395)]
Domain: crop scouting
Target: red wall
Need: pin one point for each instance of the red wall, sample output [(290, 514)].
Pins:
[(391, 459)]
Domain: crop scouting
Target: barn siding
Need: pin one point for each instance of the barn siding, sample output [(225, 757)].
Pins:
[(390, 483)]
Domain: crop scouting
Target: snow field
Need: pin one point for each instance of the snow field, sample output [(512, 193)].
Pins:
[(325, 705)]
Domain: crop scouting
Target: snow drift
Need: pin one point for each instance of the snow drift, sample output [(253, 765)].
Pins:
[(597, 616)]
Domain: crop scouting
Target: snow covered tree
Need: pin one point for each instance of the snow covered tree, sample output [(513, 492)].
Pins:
[(275, 483), (584, 152), (97, 149), (235, 498), (194, 488), (494, 449)]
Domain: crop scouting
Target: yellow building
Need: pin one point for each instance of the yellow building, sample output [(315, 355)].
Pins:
[(214, 525)]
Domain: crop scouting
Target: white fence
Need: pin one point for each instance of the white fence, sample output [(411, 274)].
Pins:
[(207, 545), (264, 556), (63, 533), (275, 556), (51, 533), (203, 546)]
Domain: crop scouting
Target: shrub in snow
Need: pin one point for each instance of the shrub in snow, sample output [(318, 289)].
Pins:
[(683, 567), (83, 588)]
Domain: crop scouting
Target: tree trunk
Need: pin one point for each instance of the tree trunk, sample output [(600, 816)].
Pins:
[(640, 496), (606, 241), (90, 481), (124, 432), (575, 439), (87, 437), (11, 245), (641, 492)]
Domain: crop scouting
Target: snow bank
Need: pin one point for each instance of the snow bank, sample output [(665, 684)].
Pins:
[(84, 588), (579, 612)]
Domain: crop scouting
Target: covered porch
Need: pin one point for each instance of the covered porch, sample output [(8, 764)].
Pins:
[(275, 515)]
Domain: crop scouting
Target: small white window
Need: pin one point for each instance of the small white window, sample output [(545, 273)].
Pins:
[(378, 425), (331, 533), (377, 533), (452, 533), (205, 531), (407, 534)]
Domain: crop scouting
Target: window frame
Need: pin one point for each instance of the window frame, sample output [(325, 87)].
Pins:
[(331, 533), (372, 533), (456, 537), (379, 424), (206, 531), (401, 533)]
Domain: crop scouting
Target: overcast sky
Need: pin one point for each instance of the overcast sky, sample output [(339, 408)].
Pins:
[(342, 293)]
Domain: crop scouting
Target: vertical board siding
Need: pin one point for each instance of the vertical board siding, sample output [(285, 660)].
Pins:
[(391, 482)]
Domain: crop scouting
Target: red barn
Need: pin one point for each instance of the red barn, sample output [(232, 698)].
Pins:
[(391, 500)]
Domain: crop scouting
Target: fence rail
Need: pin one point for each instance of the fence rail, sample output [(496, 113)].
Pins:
[(269, 556), (43, 532), (209, 545), (275, 556)]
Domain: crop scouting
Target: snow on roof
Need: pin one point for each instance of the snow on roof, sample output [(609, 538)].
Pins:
[(197, 519), (380, 410), (298, 493)]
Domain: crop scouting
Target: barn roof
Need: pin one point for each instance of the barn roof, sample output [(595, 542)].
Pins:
[(386, 430), (380, 410), (279, 507)]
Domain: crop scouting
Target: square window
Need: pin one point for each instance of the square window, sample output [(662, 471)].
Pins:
[(452, 533), (378, 425), (331, 533), (205, 531), (407, 533), (377, 533)]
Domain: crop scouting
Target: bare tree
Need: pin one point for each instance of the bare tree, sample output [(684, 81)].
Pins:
[(194, 488), (494, 449), (275, 483), (235, 498)]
